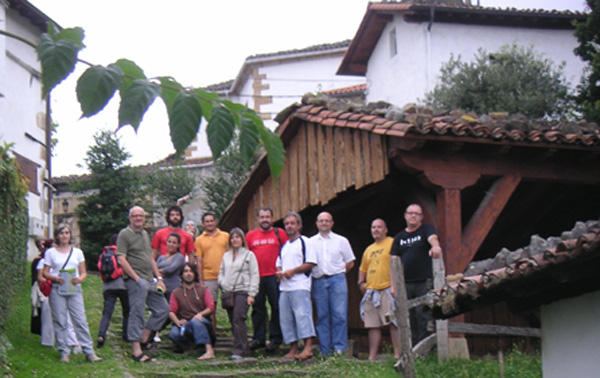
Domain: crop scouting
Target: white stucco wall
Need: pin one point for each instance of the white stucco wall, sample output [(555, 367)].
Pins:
[(23, 111), (414, 71), (571, 337)]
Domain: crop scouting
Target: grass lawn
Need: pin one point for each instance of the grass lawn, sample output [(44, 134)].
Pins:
[(28, 358)]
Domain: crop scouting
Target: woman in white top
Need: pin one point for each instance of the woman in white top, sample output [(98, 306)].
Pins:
[(64, 265)]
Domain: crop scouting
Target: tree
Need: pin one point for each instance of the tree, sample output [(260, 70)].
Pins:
[(514, 80), (186, 106), (170, 182), (588, 35), (230, 172), (111, 190)]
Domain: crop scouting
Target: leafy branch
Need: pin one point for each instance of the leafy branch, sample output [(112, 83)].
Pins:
[(186, 106)]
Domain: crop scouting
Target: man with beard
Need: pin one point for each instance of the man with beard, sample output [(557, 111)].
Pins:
[(174, 217), (190, 308), (210, 248), (266, 242)]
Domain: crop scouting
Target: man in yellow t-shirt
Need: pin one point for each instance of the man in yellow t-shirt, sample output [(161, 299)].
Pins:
[(377, 305), (210, 248)]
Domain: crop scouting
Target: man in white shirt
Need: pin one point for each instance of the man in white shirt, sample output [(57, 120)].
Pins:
[(295, 310), (329, 288)]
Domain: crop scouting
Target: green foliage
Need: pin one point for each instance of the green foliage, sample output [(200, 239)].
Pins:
[(111, 190), (514, 80), (169, 183), (186, 107), (13, 238), (229, 173), (588, 35)]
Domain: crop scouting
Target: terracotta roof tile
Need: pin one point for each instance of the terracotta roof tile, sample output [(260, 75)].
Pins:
[(345, 90), (554, 257), (515, 128)]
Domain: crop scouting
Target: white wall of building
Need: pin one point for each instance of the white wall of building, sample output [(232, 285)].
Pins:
[(415, 69), (23, 111), (571, 337)]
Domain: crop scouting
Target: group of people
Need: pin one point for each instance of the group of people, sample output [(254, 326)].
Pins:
[(178, 279)]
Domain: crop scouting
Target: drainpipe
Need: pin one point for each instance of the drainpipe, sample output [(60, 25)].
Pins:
[(428, 48), (49, 163)]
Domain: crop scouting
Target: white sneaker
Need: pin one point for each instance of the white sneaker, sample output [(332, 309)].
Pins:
[(157, 339), (77, 350), (64, 358), (93, 358)]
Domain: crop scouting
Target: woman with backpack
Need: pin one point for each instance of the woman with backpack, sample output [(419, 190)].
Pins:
[(113, 287), (64, 265)]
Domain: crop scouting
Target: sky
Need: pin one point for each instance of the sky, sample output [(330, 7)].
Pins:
[(198, 42)]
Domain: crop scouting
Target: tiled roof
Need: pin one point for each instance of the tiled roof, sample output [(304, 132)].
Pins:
[(220, 87), (544, 271), (351, 89), (324, 47), (509, 11), (36, 16), (384, 119)]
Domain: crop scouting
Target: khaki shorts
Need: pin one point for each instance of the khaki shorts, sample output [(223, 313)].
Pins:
[(213, 287), (375, 317)]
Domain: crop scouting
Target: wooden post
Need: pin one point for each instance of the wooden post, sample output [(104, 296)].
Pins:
[(441, 326), (406, 364)]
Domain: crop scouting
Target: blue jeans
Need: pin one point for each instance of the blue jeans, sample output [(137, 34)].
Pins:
[(268, 289), (330, 296), (295, 316), (194, 330)]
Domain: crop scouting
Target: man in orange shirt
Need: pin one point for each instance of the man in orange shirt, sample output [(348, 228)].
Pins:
[(210, 248)]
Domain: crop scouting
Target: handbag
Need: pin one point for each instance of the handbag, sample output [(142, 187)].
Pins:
[(228, 296)]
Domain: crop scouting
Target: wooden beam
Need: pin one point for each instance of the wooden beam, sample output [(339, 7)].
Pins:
[(493, 330), (450, 230), (313, 165), (405, 364), (487, 213)]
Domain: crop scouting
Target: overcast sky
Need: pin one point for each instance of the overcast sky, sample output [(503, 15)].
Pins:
[(196, 42)]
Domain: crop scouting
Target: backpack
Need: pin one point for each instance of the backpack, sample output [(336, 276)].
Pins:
[(107, 264), (309, 272)]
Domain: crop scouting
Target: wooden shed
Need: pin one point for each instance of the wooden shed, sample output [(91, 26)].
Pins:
[(485, 182)]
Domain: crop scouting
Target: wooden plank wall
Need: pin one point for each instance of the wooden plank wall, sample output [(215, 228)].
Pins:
[(321, 162)]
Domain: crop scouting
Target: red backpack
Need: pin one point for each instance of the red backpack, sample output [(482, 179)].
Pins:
[(107, 264)]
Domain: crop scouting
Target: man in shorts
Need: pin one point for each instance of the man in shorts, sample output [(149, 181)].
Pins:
[(377, 306)]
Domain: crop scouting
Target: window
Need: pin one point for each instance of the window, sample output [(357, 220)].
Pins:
[(29, 170)]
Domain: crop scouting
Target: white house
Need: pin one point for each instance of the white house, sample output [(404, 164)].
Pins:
[(400, 47), (268, 83), (24, 115)]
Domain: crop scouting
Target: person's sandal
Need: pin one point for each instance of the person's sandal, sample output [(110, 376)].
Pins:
[(100, 343), (143, 358)]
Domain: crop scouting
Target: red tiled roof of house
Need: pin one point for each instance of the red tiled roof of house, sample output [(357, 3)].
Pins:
[(350, 89), (545, 271), (420, 121)]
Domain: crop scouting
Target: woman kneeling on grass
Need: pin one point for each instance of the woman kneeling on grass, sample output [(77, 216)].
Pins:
[(64, 265), (239, 275)]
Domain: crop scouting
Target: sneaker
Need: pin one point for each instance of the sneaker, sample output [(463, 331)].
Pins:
[(236, 357), (64, 358), (93, 358), (77, 350), (157, 339), (256, 344)]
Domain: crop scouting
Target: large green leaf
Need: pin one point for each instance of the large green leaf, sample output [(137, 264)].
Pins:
[(131, 71), (184, 120), (135, 101), (220, 130), (275, 152), (206, 100), (75, 35), (169, 90), (96, 87), (248, 137), (58, 59)]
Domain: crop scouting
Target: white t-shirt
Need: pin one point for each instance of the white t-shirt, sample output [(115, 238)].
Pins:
[(333, 253), (56, 260), (291, 257)]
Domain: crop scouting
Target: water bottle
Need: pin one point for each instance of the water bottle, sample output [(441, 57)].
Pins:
[(182, 331)]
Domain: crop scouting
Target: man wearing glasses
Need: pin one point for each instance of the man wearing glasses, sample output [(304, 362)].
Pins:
[(416, 245)]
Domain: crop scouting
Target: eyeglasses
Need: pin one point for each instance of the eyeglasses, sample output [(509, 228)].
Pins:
[(139, 216), (413, 213)]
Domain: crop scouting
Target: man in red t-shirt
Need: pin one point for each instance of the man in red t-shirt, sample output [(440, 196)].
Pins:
[(265, 242), (174, 217)]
